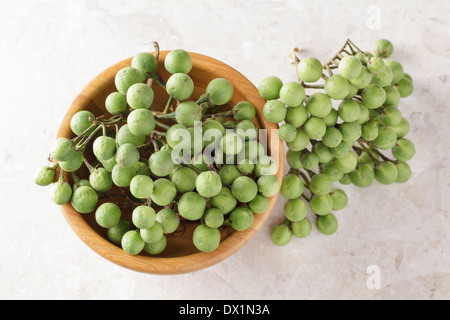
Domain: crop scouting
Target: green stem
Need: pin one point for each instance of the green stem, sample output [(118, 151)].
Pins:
[(159, 115), (162, 125), (304, 178), (168, 104), (155, 145), (349, 53), (313, 86), (305, 197), (203, 98), (220, 114), (193, 167), (89, 138), (61, 175), (354, 47), (75, 177), (88, 165), (79, 137), (159, 133), (330, 73)]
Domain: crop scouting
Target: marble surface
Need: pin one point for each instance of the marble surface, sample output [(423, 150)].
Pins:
[(393, 241)]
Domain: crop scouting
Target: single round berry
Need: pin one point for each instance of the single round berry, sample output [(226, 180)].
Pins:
[(350, 67), (269, 88), (220, 91), (178, 61), (126, 77), (383, 48), (327, 224), (180, 86), (144, 62), (309, 69), (281, 235), (108, 215)]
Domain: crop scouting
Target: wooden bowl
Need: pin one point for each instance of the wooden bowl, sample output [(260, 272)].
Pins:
[(180, 255)]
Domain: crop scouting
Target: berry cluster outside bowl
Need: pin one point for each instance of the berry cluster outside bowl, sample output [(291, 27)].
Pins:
[(180, 255)]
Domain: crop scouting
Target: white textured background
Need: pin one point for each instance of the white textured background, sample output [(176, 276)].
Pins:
[(50, 49)]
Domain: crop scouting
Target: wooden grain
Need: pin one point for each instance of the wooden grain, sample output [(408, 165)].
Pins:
[(180, 255)]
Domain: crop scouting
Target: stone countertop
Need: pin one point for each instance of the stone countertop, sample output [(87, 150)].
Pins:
[(399, 233)]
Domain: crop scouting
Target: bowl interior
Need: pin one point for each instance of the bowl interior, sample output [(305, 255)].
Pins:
[(180, 255)]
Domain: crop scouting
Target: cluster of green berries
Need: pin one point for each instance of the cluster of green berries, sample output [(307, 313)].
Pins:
[(347, 128), (136, 154)]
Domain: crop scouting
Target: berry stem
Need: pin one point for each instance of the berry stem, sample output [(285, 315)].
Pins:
[(162, 125), (313, 86), (374, 148), (354, 47), (88, 165), (220, 114), (349, 53), (159, 133), (156, 46), (160, 115), (203, 98), (78, 138), (168, 104), (193, 167), (293, 56), (304, 196), (89, 138), (55, 166), (61, 175)]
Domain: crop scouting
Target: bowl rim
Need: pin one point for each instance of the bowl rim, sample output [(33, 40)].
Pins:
[(167, 265)]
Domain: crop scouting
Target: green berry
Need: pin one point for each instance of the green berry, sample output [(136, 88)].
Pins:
[(126, 77), (44, 176), (337, 87), (269, 87), (178, 61), (321, 204), (145, 63), (327, 224), (291, 187), (132, 242), (301, 229), (108, 215), (281, 235), (180, 86), (241, 218), (295, 210), (383, 48), (116, 103), (268, 185), (84, 200), (140, 96), (191, 206), (274, 111), (259, 204), (206, 239), (292, 93), (62, 149), (309, 69), (319, 104), (244, 189), (220, 91), (404, 150), (350, 67), (61, 192), (386, 172)]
